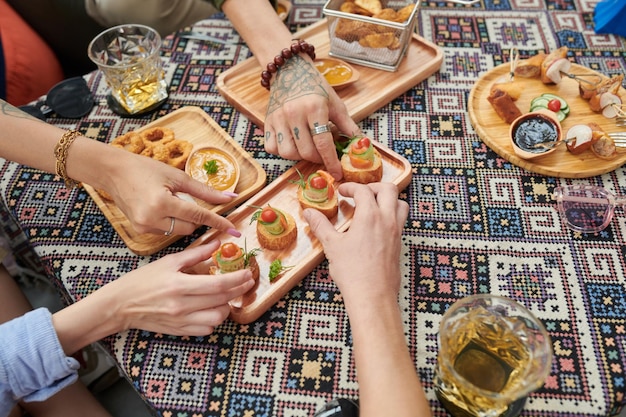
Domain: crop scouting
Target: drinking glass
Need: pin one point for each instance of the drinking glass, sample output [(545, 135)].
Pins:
[(492, 353), (128, 56)]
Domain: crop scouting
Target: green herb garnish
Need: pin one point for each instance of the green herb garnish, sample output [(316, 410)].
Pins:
[(277, 268), (211, 167)]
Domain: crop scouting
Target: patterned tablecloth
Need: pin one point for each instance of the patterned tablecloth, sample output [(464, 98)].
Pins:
[(477, 224)]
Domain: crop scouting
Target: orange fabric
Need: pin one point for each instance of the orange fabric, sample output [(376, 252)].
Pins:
[(31, 66)]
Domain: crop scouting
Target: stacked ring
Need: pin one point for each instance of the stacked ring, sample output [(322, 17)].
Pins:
[(318, 130)]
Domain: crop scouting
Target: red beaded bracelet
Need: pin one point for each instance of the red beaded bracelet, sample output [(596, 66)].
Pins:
[(285, 54)]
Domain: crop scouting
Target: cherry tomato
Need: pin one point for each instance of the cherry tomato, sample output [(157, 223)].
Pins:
[(229, 250), (554, 105), (268, 215), (361, 145), (318, 183)]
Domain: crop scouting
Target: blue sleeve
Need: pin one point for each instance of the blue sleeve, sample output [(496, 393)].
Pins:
[(33, 366)]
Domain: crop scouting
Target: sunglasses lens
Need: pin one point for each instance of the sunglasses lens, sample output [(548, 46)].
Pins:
[(70, 98), (340, 407), (586, 210)]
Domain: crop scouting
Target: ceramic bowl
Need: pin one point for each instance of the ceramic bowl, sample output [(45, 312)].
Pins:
[(223, 170), (338, 73), (532, 128)]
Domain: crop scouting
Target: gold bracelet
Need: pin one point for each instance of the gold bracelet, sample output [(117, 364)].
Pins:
[(60, 153)]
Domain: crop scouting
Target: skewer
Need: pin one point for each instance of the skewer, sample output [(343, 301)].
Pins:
[(580, 78), (513, 63)]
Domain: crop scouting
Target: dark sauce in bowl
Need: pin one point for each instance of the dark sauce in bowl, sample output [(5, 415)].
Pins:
[(534, 130)]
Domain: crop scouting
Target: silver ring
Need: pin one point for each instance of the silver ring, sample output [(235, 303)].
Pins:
[(169, 232), (318, 130)]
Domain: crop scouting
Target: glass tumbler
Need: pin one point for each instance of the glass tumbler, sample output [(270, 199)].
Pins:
[(492, 353), (129, 57)]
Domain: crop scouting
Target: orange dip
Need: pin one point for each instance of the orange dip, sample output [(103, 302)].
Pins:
[(226, 174), (335, 73)]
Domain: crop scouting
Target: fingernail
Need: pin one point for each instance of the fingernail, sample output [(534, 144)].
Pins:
[(234, 232), (230, 194)]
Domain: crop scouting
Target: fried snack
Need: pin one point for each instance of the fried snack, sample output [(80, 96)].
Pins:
[(504, 105), (130, 141), (174, 153), (378, 40), (404, 13), (550, 59), (158, 135), (353, 30), (512, 88), (373, 6), (530, 67), (387, 14), (351, 7)]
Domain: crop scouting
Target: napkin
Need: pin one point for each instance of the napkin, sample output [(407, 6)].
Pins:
[(610, 17)]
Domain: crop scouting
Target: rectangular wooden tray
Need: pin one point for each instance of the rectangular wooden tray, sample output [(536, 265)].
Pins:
[(241, 87), (193, 125), (306, 253)]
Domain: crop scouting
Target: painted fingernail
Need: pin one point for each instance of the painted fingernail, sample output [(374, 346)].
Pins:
[(234, 232), (230, 194)]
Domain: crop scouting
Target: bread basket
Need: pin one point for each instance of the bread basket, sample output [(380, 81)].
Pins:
[(369, 41)]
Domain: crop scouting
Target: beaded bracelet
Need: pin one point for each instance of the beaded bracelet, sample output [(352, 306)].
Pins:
[(60, 153), (286, 54)]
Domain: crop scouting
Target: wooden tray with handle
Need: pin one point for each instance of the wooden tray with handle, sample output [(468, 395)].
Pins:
[(302, 256), (193, 125), (241, 87), (560, 163)]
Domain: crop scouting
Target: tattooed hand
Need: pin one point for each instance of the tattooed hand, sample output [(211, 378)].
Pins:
[(301, 99)]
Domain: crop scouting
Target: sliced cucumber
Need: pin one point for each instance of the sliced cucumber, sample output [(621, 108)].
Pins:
[(561, 115), (540, 101)]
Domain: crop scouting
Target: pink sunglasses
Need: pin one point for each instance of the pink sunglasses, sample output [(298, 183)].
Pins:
[(587, 208)]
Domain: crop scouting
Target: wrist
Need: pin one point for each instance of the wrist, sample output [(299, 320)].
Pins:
[(299, 46)]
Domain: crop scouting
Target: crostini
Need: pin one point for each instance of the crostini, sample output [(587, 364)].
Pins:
[(317, 191), (229, 257), (275, 229), (361, 162)]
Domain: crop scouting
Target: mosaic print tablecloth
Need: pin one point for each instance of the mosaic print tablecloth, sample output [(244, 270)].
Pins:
[(477, 225)]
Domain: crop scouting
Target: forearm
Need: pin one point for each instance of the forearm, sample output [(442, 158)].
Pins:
[(388, 382), (247, 16), (89, 320), (31, 142)]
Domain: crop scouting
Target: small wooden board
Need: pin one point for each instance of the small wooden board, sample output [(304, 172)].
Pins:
[(241, 87), (306, 253), (560, 163), (193, 125)]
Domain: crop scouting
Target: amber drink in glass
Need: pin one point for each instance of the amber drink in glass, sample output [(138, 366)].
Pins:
[(492, 353), (129, 58)]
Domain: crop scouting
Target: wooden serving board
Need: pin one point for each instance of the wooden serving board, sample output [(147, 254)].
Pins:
[(560, 163), (306, 253), (241, 87), (193, 125)]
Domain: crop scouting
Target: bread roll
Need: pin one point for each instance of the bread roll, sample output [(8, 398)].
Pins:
[(329, 208), (281, 241), (362, 175)]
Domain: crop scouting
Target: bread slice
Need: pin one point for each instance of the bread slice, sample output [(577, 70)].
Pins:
[(253, 266), (329, 208), (281, 241), (360, 175)]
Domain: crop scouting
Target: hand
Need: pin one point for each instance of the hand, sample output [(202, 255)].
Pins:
[(160, 297), (364, 261), (300, 99), (146, 192)]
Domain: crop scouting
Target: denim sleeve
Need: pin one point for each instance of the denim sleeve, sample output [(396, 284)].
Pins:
[(33, 366)]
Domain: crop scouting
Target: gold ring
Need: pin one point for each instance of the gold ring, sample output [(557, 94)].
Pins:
[(169, 232), (318, 130)]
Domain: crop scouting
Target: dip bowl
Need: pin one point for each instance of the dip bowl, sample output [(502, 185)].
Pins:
[(214, 167), (533, 128)]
